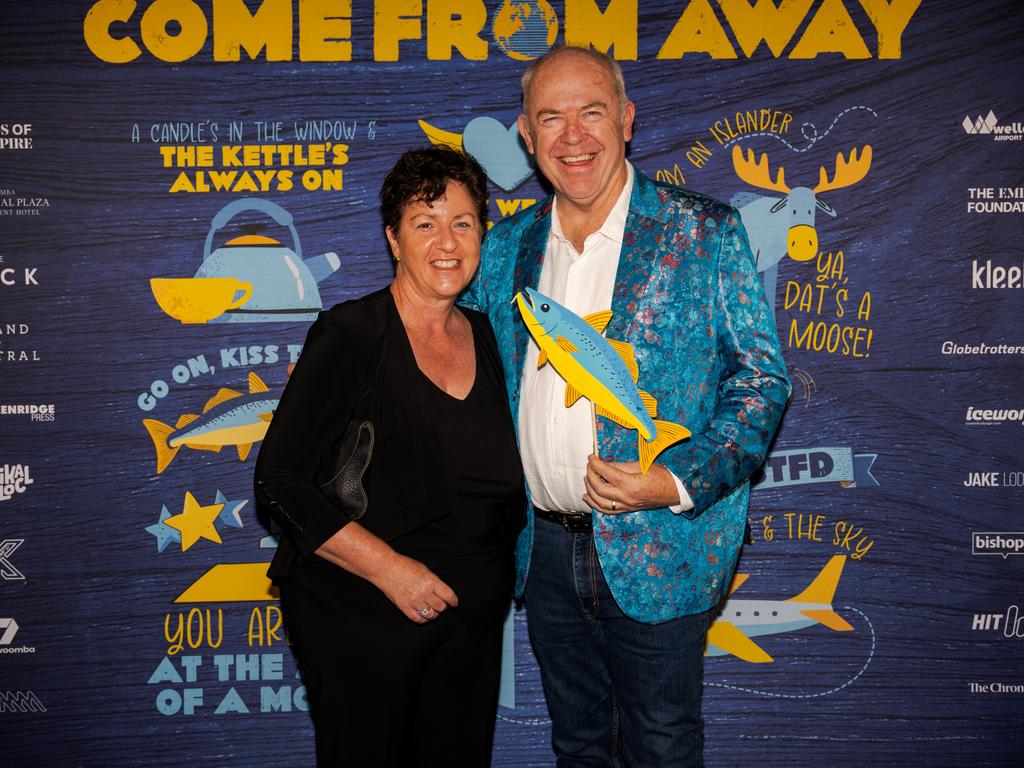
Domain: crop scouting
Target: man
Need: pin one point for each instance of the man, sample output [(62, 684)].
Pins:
[(623, 567)]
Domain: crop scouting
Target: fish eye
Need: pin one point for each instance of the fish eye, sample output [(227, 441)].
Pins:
[(545, 307)]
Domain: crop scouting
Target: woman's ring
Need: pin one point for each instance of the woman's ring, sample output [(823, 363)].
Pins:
[(425, 612), (613, 506)]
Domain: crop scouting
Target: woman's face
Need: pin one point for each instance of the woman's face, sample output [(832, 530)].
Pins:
[(437, 244)]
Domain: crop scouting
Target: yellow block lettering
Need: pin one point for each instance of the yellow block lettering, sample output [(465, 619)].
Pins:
[(235, 28), (395, 20), (697, 31), (325, 30), (508, 207), (831, 31), (890, 19), (763, 21), (586, 25), (174, 48), (182, 184), (97, 31), (455, 24)]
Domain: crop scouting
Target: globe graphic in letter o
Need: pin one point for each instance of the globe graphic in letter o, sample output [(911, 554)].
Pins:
[(525, 29)]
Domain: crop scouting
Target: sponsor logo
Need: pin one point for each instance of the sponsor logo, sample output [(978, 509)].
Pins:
[(1009, 624), (15, 135), (1003, 543), (14, 204), (36, 412), (8, 629), (986, 479), (24, 276), (993, 416), (986, 276), (955, 348), (20, 701), (994, 479), (989, 125), (10, 331), (997, 687), (14, 478), (7, 570), (995, 199)]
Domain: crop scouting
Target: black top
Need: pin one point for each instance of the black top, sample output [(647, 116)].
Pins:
[(471, 548), (357, 363)]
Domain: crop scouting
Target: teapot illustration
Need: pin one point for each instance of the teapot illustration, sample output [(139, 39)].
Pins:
[(284, 286)]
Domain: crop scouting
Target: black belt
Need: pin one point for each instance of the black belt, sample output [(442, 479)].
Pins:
[(573, 522)]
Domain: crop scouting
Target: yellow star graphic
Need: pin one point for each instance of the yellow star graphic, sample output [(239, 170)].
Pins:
[(195, 522)]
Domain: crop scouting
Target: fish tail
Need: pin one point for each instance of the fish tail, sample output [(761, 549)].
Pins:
[(666, 433), (159, 432)]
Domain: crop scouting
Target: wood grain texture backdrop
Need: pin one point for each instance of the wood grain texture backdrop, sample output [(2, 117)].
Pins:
[(96, 592)]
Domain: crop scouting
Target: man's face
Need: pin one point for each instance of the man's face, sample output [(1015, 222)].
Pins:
[(575, 130)]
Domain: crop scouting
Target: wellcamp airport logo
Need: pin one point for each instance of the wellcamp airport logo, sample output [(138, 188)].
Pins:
[(1003, 543), (8, 629), (22, 702), (989, 125)]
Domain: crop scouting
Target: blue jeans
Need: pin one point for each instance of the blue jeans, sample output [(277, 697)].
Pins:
[(620, 692)]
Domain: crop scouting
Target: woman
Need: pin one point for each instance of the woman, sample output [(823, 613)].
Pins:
[(396, 618)]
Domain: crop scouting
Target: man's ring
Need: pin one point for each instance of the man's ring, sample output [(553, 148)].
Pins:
[(613, 506), (425, 612)]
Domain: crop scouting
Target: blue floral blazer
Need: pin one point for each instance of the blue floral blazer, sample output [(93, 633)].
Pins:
[(688, 298)]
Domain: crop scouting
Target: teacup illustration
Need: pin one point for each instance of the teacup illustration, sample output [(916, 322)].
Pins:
[(199, 299)]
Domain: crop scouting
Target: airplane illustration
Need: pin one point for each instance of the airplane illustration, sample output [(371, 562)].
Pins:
[(740, 620)]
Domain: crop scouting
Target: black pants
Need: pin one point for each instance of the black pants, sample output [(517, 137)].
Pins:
[(384, 691)]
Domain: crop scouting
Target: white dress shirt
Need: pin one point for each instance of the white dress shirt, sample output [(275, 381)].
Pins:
[(554, 440)]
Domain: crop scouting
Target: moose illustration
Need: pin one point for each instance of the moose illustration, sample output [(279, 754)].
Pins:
[(777, 226)]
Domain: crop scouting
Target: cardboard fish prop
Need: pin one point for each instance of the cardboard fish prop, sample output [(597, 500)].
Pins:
[(601, 370), (228, 418)]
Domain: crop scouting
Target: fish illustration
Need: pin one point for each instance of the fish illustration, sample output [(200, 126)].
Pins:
[(602, 370), (228, 418)]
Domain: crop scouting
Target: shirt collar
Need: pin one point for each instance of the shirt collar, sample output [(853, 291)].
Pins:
[(614, 226)]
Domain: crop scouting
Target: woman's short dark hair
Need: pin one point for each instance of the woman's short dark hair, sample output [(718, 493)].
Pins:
[(423, 175)]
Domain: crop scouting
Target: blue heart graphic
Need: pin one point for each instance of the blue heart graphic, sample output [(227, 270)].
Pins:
[(499, 150)]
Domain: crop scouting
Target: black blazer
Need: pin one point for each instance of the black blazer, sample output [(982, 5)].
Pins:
[(345, 364)]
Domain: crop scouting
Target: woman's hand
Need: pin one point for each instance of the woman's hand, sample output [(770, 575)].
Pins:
[(415, 590)]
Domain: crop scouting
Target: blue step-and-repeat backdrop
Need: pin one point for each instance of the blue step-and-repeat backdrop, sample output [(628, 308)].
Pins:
[(150, 150)]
